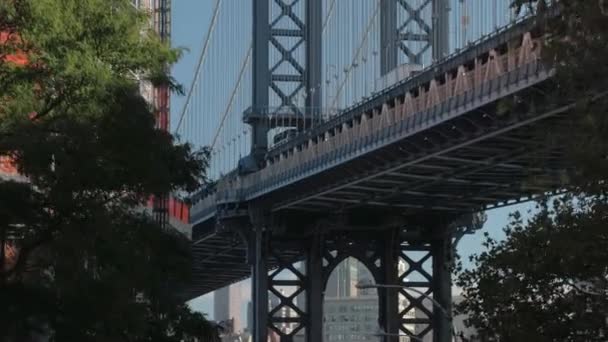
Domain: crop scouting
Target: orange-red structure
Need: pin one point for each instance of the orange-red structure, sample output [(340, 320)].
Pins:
[(176, 208), (17, 58), (7, 166), (173, 207)]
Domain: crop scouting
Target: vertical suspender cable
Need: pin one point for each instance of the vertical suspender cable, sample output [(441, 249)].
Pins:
[(359, 49), (244, 64), (201, 59)]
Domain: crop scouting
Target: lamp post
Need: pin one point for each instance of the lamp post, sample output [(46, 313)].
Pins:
[(422, 294)]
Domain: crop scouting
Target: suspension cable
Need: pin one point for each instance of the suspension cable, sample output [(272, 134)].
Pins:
[(232, 94), (328, 16), (243, 65), (357, 52), (201, 60)]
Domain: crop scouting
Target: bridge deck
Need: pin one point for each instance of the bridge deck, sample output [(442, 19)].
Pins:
[(451, 148)]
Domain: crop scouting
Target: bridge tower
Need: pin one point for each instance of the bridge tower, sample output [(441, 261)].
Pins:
[(395, 36), (284, 79), (379, 246)]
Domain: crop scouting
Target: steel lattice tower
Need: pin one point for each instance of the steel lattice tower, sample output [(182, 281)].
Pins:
[(306, 30)]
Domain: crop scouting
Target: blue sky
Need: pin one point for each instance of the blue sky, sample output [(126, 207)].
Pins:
[(190, 21)]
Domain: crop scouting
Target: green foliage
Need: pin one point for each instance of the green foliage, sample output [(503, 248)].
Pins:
[(575, 46), (548, 281), (89, 267)]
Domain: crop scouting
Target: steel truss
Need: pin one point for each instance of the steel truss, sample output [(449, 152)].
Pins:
[(430, 23), (280, 315), (292, 30)]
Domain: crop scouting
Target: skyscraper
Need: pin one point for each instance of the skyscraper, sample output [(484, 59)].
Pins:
[(227, 305), (351, 314), (249, 316), (343, 280)]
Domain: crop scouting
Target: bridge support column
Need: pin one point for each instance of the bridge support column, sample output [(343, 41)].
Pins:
[(288, 301), (274, 41), (314, 303), (389, 297), (388, 36), (287, 298), (314, 59), (261, 80), (259, 282), (429, 32), (423, 267), (441, 250), (441, 29)]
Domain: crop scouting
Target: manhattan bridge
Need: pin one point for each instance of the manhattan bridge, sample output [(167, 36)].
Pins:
[(372, 129)]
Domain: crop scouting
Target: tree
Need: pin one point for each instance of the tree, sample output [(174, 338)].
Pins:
[(548, 280), (85, 264)]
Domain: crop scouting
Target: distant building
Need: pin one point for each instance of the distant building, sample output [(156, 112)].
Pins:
[(249, 316), (350, 319), (353, 319), (342, 282), (351, 314), (227, 306)]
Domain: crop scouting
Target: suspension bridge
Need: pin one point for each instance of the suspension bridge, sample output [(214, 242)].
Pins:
[(360, 128)]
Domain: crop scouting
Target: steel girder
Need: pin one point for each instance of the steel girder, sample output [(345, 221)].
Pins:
[(294, 288), (208, 211), (468, 164)]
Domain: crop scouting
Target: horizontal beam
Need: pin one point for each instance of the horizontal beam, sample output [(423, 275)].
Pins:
[(442, 179), (286, 282), (387, 204), (287, 32), (480, 162)]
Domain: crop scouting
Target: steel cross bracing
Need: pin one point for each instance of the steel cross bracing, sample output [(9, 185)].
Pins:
[(473, 112), (473, 160), (278, 40), (431, 31), (303, 266), (382, 183), (297, 26)]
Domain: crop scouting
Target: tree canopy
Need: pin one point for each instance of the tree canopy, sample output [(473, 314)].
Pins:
[(78, 259), (548, 280)]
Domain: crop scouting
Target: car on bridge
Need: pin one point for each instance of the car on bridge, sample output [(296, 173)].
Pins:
[(284, 136)]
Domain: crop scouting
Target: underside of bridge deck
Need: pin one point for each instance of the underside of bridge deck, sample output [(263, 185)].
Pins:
[(477, 161), (411, 189)]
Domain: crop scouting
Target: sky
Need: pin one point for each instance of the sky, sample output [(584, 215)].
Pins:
[(190, 21)]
